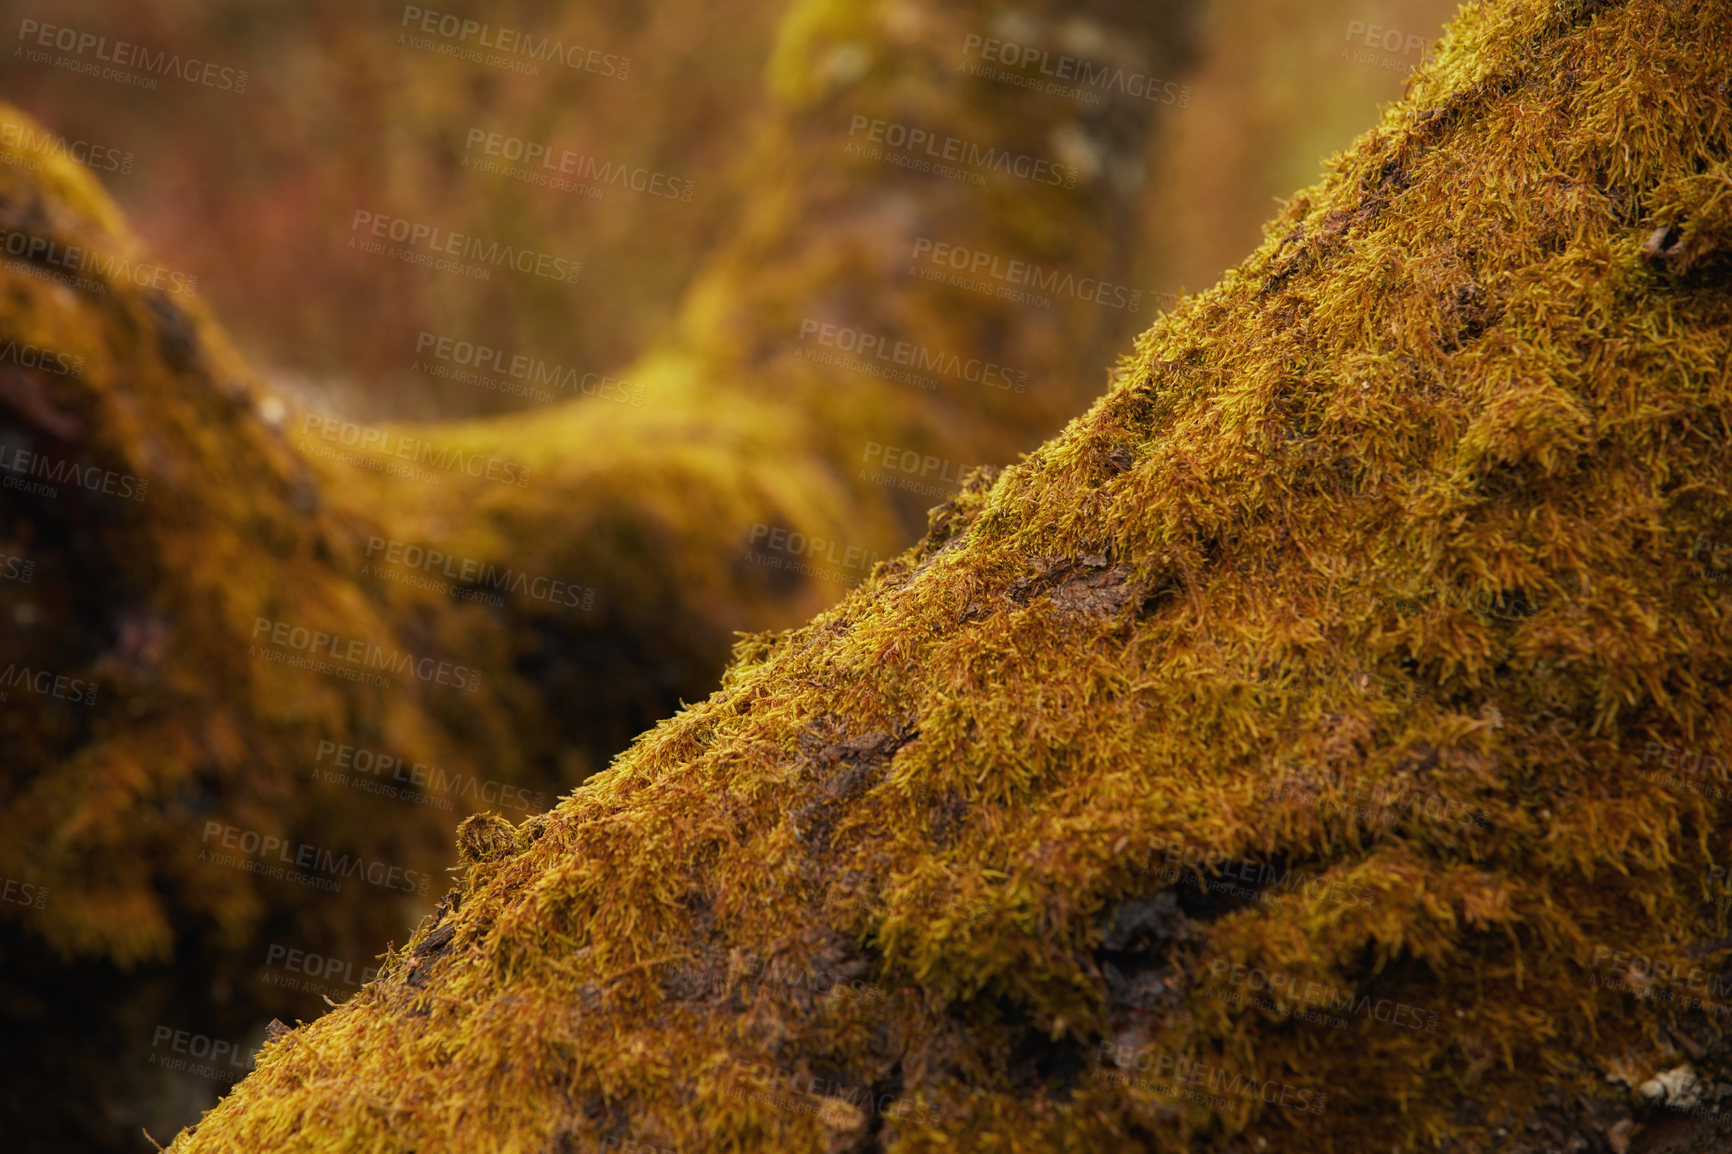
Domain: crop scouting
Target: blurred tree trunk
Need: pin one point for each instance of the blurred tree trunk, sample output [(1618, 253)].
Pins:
[(745, 435)]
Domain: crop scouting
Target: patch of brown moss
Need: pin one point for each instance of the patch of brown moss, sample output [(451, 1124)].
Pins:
[(1383, 563)]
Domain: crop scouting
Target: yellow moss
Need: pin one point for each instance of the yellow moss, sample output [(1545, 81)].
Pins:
[(35, 159), (1383, 564), (173, 518), (824, 44), (651, 507)]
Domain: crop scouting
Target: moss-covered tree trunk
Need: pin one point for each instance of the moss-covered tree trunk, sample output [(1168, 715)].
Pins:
[(226, 651), (1319, 746)]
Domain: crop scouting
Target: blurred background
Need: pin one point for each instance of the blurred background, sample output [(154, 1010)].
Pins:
[(738, 201), (254, 192)]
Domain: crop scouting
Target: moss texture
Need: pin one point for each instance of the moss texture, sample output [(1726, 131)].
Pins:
[(651, 506), (234, 524), (150, 516), (173, 517), (1390, 561)]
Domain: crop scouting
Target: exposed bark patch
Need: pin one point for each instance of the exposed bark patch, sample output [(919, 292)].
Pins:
[(23, 393), (841, 771), (1135, 962), (703, 974), (1003, 1039), (1466, 317), (1099, 594), (946, 816), (176, 338), (423, 956), (1092, 585), (1688, 253)]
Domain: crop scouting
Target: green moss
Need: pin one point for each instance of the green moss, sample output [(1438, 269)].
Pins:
[(1382, 562)]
